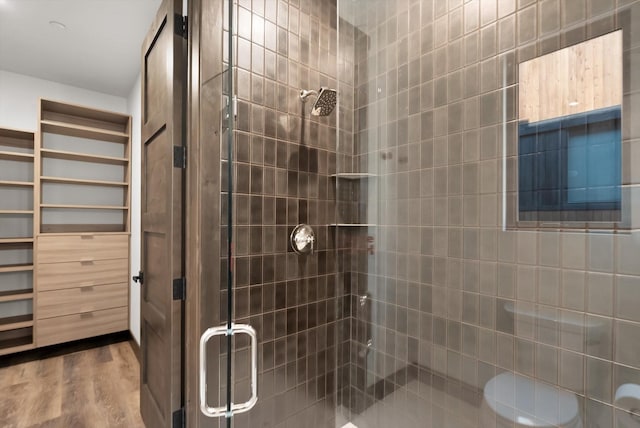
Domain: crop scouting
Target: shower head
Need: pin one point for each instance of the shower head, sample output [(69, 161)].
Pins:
[(325, 103)]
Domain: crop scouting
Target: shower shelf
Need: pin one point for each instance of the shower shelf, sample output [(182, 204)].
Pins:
[(352, 225), (353, 175)]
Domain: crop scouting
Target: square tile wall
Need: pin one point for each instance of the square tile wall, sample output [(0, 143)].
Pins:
[(455, 298)]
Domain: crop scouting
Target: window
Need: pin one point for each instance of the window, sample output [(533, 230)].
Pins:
[(571, 164)]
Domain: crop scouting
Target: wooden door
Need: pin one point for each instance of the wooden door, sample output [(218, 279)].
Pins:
[(163, 76)]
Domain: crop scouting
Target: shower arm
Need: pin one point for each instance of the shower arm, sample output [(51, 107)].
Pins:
[(304, 94)]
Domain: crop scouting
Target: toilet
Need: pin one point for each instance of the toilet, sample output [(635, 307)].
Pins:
[(512, 400)]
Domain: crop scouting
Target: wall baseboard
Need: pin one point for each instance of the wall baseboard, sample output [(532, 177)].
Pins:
[(65, 348), (134, 347)]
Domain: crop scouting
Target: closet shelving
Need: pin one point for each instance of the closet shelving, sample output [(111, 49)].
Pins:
[(83, 223), (94, 137), (17, 227)]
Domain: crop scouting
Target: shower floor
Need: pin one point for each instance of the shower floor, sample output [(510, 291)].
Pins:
[(437, 404)]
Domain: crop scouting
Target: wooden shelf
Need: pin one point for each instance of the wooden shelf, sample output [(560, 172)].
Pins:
[(16, 138), (16, 268), (84, 207), (18, 344), (84, 233), (16, 240), (16, 183), (60, 180), (82, 157), (353, 175), (17, 157), (20, 212), (80, 131), (15, 322), (76, 114), (13, 295)]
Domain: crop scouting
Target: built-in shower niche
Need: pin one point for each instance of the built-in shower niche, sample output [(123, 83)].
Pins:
[(569, 168)]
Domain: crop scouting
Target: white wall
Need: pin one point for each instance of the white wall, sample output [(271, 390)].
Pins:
[(19, 95), (134, 104)]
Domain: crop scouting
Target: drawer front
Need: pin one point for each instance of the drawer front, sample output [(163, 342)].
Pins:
[(80, 326), (79, 300), (57, 276), (70, 248)]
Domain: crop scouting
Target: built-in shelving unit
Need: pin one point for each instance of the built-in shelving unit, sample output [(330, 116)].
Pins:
[(83, 222), (83, 153), (17, 228), (64, 227)]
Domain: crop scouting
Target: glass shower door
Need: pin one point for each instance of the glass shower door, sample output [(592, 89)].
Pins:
[(236, 343)]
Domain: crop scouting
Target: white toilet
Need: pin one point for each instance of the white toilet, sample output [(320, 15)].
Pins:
[(511, 400)]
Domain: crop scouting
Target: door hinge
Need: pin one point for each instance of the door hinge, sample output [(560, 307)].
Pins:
[(179, 419), (139, 278), (180, 289), (181, 25), (179, 157)]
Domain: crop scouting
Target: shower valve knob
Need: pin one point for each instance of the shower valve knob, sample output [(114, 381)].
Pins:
[(303, 239)]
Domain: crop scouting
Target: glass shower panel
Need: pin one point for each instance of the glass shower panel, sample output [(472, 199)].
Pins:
[(487, 213), (277, 158)]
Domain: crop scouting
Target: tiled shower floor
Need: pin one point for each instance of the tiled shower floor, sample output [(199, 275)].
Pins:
[(425, 405)]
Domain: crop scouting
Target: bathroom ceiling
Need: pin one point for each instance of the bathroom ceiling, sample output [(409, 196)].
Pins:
[(100, 48)]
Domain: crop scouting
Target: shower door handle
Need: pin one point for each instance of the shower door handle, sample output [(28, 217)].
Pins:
[(217, 412)]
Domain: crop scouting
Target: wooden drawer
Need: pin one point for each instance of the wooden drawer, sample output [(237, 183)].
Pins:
[(57, 276), (79, 300), (81, 326), (69, 248)]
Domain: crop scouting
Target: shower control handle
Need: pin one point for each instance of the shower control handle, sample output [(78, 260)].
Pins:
[(303, 239)]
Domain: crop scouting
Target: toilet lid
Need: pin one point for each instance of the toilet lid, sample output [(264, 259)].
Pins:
[(530, 403)]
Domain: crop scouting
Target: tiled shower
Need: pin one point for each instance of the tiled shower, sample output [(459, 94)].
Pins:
[(445, 289)]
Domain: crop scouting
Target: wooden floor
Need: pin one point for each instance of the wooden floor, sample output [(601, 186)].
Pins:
[(93, 388)]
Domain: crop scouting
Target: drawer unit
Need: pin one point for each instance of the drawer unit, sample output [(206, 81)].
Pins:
[(80, 300), (56, 276), (82, 247), (81, 326)]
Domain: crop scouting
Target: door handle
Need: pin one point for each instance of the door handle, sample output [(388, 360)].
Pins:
[(217, 412)]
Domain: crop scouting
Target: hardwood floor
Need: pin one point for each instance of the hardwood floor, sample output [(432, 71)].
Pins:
[(93, 388)]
